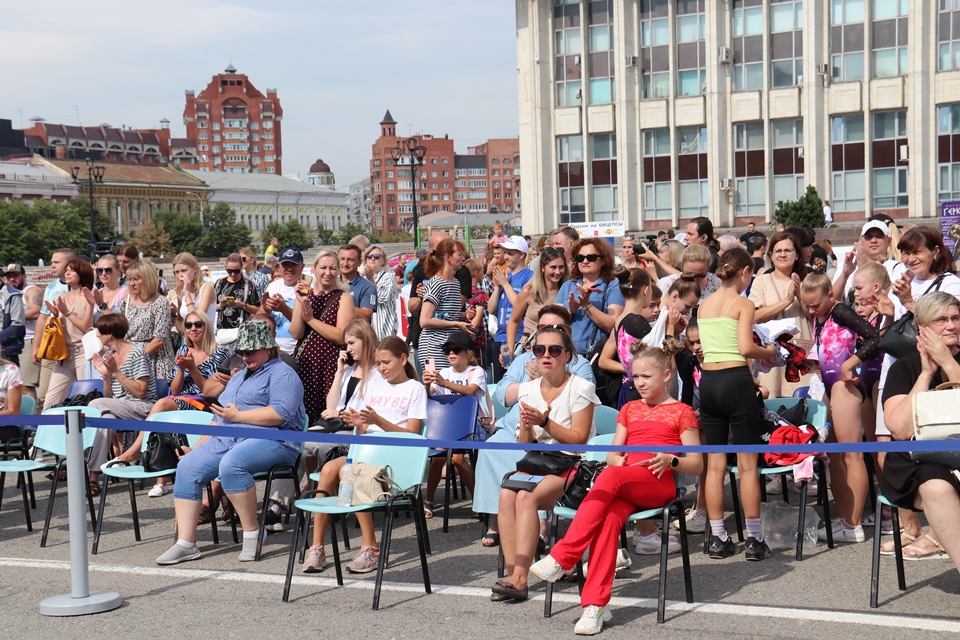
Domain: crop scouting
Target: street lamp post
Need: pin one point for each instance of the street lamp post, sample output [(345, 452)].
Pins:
[(94, 176), (414, 153)]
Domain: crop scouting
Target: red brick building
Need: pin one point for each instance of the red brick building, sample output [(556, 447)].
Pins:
[(235, 126), (391, 186), (102, 143), (503, 173)]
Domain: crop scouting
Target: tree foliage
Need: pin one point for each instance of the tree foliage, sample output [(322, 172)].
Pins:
[(29, 233), (291, 234), (805, 212), (183, 230), (221, 233), (153, 240), (347, 232)]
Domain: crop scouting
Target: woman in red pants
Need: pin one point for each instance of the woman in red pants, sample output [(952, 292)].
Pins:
[(631, 482)]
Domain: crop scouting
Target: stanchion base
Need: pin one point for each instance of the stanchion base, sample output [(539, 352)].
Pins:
[(67, 605)]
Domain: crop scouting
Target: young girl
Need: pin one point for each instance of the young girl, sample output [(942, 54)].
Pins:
[(836, 327), (630, 327), (395, 401), (192, 293), (463, 377), (728, 400), (11, 392), (631, 482), (479, 297), (542, 290)]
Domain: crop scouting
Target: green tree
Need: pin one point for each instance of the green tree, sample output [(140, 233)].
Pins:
[(347, 232), (153, 240), (29, 233), (291, 234), (324, 235), (805, 212), (222, 234), (183, 228)]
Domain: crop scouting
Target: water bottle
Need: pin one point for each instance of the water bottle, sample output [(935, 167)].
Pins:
[(505, 355), (347, 476)]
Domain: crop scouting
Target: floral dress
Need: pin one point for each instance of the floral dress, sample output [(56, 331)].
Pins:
[(317, 357), (148, 322)]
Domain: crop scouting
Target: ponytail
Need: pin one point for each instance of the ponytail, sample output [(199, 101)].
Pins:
[(732, 263)]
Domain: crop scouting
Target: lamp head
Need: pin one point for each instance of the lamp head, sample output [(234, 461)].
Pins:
[(396, 152), (420, 152)]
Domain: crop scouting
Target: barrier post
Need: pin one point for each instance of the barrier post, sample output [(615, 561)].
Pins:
[(79, 601)]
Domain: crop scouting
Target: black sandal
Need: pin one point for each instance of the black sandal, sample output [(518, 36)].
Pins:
[(490, 540)]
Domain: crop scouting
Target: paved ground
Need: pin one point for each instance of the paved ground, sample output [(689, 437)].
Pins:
[(825, 595)]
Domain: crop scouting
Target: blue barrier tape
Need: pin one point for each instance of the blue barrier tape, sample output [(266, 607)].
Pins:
[(347, 438)]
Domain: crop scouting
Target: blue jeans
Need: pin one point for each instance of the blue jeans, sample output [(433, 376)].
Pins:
[(235, 467)]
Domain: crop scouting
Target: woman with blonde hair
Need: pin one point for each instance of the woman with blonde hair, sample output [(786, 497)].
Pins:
[(550, 274), (107, 298), (192, 293), (149, 317), (249, 259), (384, 320)]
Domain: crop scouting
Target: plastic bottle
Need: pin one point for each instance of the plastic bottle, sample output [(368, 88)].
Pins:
[(505, 356), (347, 476)]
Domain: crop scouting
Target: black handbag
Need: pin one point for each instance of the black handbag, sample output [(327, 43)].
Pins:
[(900, 338), (333, 425), (546, 463), (162, 450), (607, 383), (579, 483)]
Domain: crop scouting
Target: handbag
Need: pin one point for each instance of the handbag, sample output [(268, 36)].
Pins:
[(162, 450), (333, 425), (579, 482), (934, 418), (53, 344), (900, 338), (607, 383), (546, 463), (373, 484)]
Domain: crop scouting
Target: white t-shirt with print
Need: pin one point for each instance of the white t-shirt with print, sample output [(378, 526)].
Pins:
[(395, 403), (576, 395), (471, 375), (285, 341), (10, 378)]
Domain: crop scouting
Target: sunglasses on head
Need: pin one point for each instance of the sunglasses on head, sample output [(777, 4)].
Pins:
[(374, 256), (244, 353), (553, 251), (590, 257), (106, 270), (193, 325), (554, 350), (234, 272), (698, 276)]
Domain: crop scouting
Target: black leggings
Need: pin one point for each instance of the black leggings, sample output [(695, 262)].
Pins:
[(728, 402)]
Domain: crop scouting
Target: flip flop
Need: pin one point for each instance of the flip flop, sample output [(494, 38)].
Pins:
[(427, 509), (914, 552), (887, 548), (504, 588), (490, 540)]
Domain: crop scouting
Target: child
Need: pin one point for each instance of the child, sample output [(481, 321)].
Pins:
[(478, 302), (836, 327), (651, 310), (11, 393), (462, 377), (631, 482), (499, 237)]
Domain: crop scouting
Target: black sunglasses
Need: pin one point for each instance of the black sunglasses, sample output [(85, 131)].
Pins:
[(193, 325), (106, 270), (697, 276), (590, 257), (553, 251), (234, 272), (244, 353), (453, 350), (374, 256), (554, 350)]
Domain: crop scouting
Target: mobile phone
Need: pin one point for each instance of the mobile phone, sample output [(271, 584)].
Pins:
[(224, 369), (521, 482), (349, 360), (228, 299), (213, 402)]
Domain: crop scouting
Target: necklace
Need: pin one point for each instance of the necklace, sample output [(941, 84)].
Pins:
[(653, 407), (557, 390)]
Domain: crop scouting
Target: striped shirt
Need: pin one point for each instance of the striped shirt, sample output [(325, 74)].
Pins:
[(384, 320)]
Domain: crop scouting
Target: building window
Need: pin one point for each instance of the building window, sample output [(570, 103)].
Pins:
[(846, 40), (692, 171), (254, 126), (603, 174), (691, 48), (657, 187), (786, 42), (849, 190), (654, 49), (948, 151), (202, 136), (202, 124), (749, 170), (570, 170), (948, 35), (567, 52), (889, 38), (747, 45), (216, 126), (889, 167), (787, 135), (600, 46)]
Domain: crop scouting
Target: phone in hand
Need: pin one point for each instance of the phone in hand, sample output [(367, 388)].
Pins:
[(224, 368), (213, 402), (349, 359)]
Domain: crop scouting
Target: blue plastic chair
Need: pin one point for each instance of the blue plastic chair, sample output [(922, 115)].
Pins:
[(51, 438), (897, 549), (673, 509), (816, 416), (606, 419), (83, 387), (450, 417), (409, 465), (131, 473), (17, 447), (801, 392)]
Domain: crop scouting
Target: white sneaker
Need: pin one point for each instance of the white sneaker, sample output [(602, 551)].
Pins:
[(623, 563), (696, 521), (157, 491), (591, 622), (547, 569), (651, 545), (843, 534)]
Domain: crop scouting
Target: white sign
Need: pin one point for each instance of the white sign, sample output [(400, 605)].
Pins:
[(608, 229)]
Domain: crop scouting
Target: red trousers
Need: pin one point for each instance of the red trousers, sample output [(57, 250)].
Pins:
[(618, 492)]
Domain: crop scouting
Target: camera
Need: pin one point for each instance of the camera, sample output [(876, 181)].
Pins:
[(642, 246)]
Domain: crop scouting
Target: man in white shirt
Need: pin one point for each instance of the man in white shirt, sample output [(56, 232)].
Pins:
[(280, 296), (827, 213)]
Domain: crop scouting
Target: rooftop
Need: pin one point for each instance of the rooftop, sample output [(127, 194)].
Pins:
[(136, 173), (255, 182)]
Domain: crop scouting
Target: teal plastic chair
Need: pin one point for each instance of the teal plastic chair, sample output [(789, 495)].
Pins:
[(605, 418), (897, 550), (499, 410), (131, 473), (17, 447), (672, 510), (409, 465), (51, 438), (816, 416)]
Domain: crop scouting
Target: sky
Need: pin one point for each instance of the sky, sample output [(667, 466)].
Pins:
[(440, 66)]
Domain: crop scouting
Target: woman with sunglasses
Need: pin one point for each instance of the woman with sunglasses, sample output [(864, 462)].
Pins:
[(384, 320), (556, 408), (776, 296), (630, 327), (237, 300), (592, 294), (249, 259), (550, 274), (109, 295)]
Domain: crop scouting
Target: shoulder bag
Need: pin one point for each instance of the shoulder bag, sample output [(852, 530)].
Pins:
[(579, 482), (373, 484), (53, 344), (900, 338), (546, 463), (935, 418), (162, 450)]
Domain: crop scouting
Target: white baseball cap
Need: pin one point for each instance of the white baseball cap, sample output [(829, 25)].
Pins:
[(875, 224), (517, 243), (681, 238)]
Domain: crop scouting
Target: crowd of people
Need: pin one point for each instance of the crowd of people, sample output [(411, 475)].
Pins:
[(663, 331)]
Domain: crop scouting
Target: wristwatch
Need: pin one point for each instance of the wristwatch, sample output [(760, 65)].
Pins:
[(675, 463), (102, 306)]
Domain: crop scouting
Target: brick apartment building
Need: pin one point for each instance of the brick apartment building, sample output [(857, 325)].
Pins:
[(236, 127), (482, 181), (99, 143)]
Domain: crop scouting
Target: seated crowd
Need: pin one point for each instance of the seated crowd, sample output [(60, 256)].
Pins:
[(577, 326)]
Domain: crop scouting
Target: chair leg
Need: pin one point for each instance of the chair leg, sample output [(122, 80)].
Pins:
[(548, 599), (262, 528), (26, 502), (446, 494), (53, 494), (86, 475), (97, 528), (336, 555), (133, 509), (422, 547), (898, 549), (345, 529), (801, 519), (783, 488), (685, 553), (294, 542), (33, 497), (825, 501), (213, 514), (384, 551), (737, 514), (875, 558), (664, 550)]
